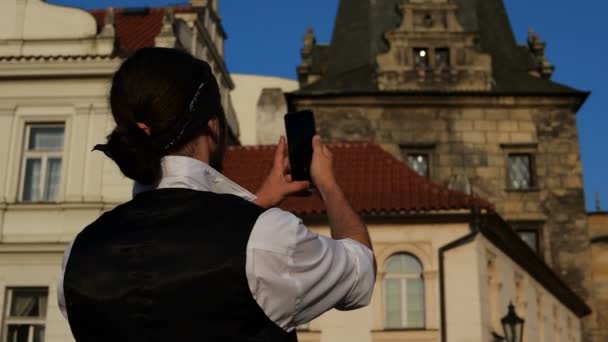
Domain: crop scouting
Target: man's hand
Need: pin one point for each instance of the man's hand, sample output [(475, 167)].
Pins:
[(322, 167), (278, 184)]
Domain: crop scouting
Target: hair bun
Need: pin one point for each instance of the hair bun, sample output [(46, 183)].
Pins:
[(132, 150)]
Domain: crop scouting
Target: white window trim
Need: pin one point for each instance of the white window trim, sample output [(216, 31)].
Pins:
[(404, 277), (8, 320), (35, 115), (44, 156)]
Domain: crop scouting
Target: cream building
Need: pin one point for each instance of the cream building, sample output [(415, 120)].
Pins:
[(55, 68), (250, 97), (53, 86), (438, 259)]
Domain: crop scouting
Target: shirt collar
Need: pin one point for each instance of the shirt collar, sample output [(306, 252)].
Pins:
[(190, 173)]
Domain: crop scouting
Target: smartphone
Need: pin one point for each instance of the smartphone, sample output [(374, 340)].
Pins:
[(300, 128)]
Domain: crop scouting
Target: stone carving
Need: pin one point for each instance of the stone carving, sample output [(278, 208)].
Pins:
[(305, 68), (166, 37), (431, 51), (108, 29), (540, 66)]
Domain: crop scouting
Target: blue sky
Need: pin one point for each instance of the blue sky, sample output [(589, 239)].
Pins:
[(265, 37)]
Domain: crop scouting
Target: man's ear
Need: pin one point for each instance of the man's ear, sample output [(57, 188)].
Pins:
[(214, 129)]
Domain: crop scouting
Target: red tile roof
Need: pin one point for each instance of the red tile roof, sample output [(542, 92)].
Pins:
[(135, 30), (373, 180)]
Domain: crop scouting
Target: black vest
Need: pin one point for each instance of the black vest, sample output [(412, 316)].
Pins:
[(167, 266)]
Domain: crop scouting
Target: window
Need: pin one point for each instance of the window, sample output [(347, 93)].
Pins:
[(520, 172), (419, 162), (442, 59), (530, 237), (403, 293), (25, 314), (530, 233), (421, 59), (42, 158)]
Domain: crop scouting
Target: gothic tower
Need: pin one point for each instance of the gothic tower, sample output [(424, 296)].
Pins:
[(444, 86)]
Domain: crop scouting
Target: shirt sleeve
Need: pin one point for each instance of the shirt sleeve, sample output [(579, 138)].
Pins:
[(296, 275), (60, 294)]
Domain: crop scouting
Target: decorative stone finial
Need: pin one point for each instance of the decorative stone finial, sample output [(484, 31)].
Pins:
[(166, 37), (309, 40), (168, 17), (540, 66), (109, 18), (108, 29), (304, 69), (598, 204)]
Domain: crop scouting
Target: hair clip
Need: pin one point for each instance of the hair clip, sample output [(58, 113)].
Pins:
[(195, 98)]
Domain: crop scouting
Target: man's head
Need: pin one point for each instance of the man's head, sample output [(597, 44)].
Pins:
[(164, 102)]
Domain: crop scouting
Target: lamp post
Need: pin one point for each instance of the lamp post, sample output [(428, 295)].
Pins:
[(513, 326)]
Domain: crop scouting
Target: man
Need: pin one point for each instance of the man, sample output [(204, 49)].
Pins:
[(194, 256)]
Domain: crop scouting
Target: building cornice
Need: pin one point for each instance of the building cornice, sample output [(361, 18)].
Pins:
[(25, 248), (101, 206), (440, 99), (55, 67)]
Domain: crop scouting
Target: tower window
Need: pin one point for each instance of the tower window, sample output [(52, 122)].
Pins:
[(419, 162), (530, 237), (421, 58), (520, 172), (442, 58), (428, 20)]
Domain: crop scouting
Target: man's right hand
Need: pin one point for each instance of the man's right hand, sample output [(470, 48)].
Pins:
[(322, 167), (343, 220)]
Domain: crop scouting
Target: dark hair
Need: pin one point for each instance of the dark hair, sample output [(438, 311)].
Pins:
[(172, 93)]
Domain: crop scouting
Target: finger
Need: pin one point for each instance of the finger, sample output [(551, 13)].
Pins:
[(279, 153), (298, 186), (288, 178), (327, 151), (286, 166), (316, 143)]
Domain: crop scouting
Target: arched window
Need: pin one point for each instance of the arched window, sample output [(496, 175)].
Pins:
[(403, 293)]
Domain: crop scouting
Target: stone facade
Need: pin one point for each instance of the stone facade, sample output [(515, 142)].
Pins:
[(471, 138), (444, 55), (423, 92), (598, 229)]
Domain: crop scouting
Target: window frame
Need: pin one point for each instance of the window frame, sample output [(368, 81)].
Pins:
[(416, 54), (44, 156), (9, 320), (403, 288), (529, 149), (531, 166), (536, 227), (428, 162), (426, 149), (448, 66)]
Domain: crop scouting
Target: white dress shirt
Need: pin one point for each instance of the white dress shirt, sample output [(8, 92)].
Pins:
[(294, 274)]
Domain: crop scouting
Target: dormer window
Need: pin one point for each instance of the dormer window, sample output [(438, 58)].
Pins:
[(428, 20), (442, 58), (421, 58)]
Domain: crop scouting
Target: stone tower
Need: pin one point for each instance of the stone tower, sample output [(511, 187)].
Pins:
[(444, 86)]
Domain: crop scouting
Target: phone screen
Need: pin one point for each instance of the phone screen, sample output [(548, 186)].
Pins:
[(300, 128)]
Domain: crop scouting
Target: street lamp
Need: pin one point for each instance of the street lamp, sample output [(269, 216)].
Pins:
[(513, 326)]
